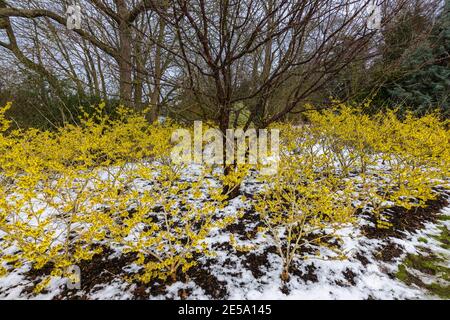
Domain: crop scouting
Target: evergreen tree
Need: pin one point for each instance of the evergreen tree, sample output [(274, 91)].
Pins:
[(426, 84)]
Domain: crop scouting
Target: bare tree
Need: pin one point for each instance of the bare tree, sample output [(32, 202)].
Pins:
[(262, 58), (114, 45), (267, 56)]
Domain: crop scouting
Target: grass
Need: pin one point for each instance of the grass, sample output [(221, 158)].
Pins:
[(429, 265), (444, 237)]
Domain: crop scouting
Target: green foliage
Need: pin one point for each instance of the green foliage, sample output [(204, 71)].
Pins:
[(425, 73), (415, 265), (36, 104), (429, 271)]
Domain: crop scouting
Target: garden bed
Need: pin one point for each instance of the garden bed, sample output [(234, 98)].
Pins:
[(370, 272)]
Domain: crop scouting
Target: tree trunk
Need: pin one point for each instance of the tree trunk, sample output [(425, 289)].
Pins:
[(154, 99), (139, 81), (124, 57), (231, 191)]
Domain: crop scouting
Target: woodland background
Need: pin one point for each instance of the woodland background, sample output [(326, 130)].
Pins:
[(234, 62)]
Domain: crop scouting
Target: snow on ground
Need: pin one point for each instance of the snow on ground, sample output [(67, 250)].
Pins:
[(256, 274), (374, 280)]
